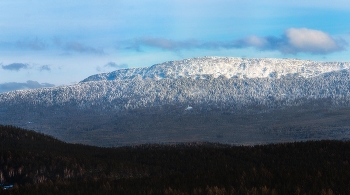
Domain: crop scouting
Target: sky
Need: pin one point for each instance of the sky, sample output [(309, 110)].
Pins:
[(61, 42)]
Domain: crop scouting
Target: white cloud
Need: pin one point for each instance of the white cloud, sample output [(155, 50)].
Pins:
[(293, 41), (309, 40)]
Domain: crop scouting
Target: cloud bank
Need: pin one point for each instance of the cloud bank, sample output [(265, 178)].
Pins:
[(292, 41), (5, 87), (15, 66), (295, 41), (37, 44)]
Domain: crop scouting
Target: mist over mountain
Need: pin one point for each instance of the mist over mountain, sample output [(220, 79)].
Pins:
[(234, 100)]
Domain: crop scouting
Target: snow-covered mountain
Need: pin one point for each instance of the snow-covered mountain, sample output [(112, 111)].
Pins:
[(230, 85), (224, 66), (209, 80)]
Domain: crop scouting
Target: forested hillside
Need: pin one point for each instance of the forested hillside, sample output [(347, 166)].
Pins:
[(39, 164), (267, 100), (95, 112)]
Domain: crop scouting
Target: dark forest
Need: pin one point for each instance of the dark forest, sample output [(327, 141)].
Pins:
[(35, 163)]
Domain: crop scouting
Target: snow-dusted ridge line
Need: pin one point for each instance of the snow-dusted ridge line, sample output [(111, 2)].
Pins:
[(235, 93), (225, 66)]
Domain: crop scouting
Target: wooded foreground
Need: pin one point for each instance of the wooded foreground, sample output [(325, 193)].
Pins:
[(38, 164)]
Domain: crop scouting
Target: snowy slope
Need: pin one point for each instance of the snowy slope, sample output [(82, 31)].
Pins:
[(224, 66), (224, 81)]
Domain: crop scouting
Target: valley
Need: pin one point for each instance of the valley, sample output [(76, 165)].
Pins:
[(174, 124)]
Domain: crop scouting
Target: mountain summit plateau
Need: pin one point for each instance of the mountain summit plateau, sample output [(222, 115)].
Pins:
[(228, 67)]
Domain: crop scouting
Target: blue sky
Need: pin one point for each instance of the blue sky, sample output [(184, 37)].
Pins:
[(60, 42)]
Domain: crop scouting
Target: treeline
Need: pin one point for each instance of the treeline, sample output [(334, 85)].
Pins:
[(39, 164)]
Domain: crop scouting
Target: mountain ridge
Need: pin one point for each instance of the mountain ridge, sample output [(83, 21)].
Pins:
[(136, 107), (224, 66)]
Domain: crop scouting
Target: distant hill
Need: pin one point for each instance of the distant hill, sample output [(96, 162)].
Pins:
[(233, 100)]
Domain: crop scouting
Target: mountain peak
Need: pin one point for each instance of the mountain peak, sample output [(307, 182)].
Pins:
[(202, 67)]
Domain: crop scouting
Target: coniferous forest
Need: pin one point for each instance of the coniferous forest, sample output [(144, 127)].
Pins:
[(38, 164)]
